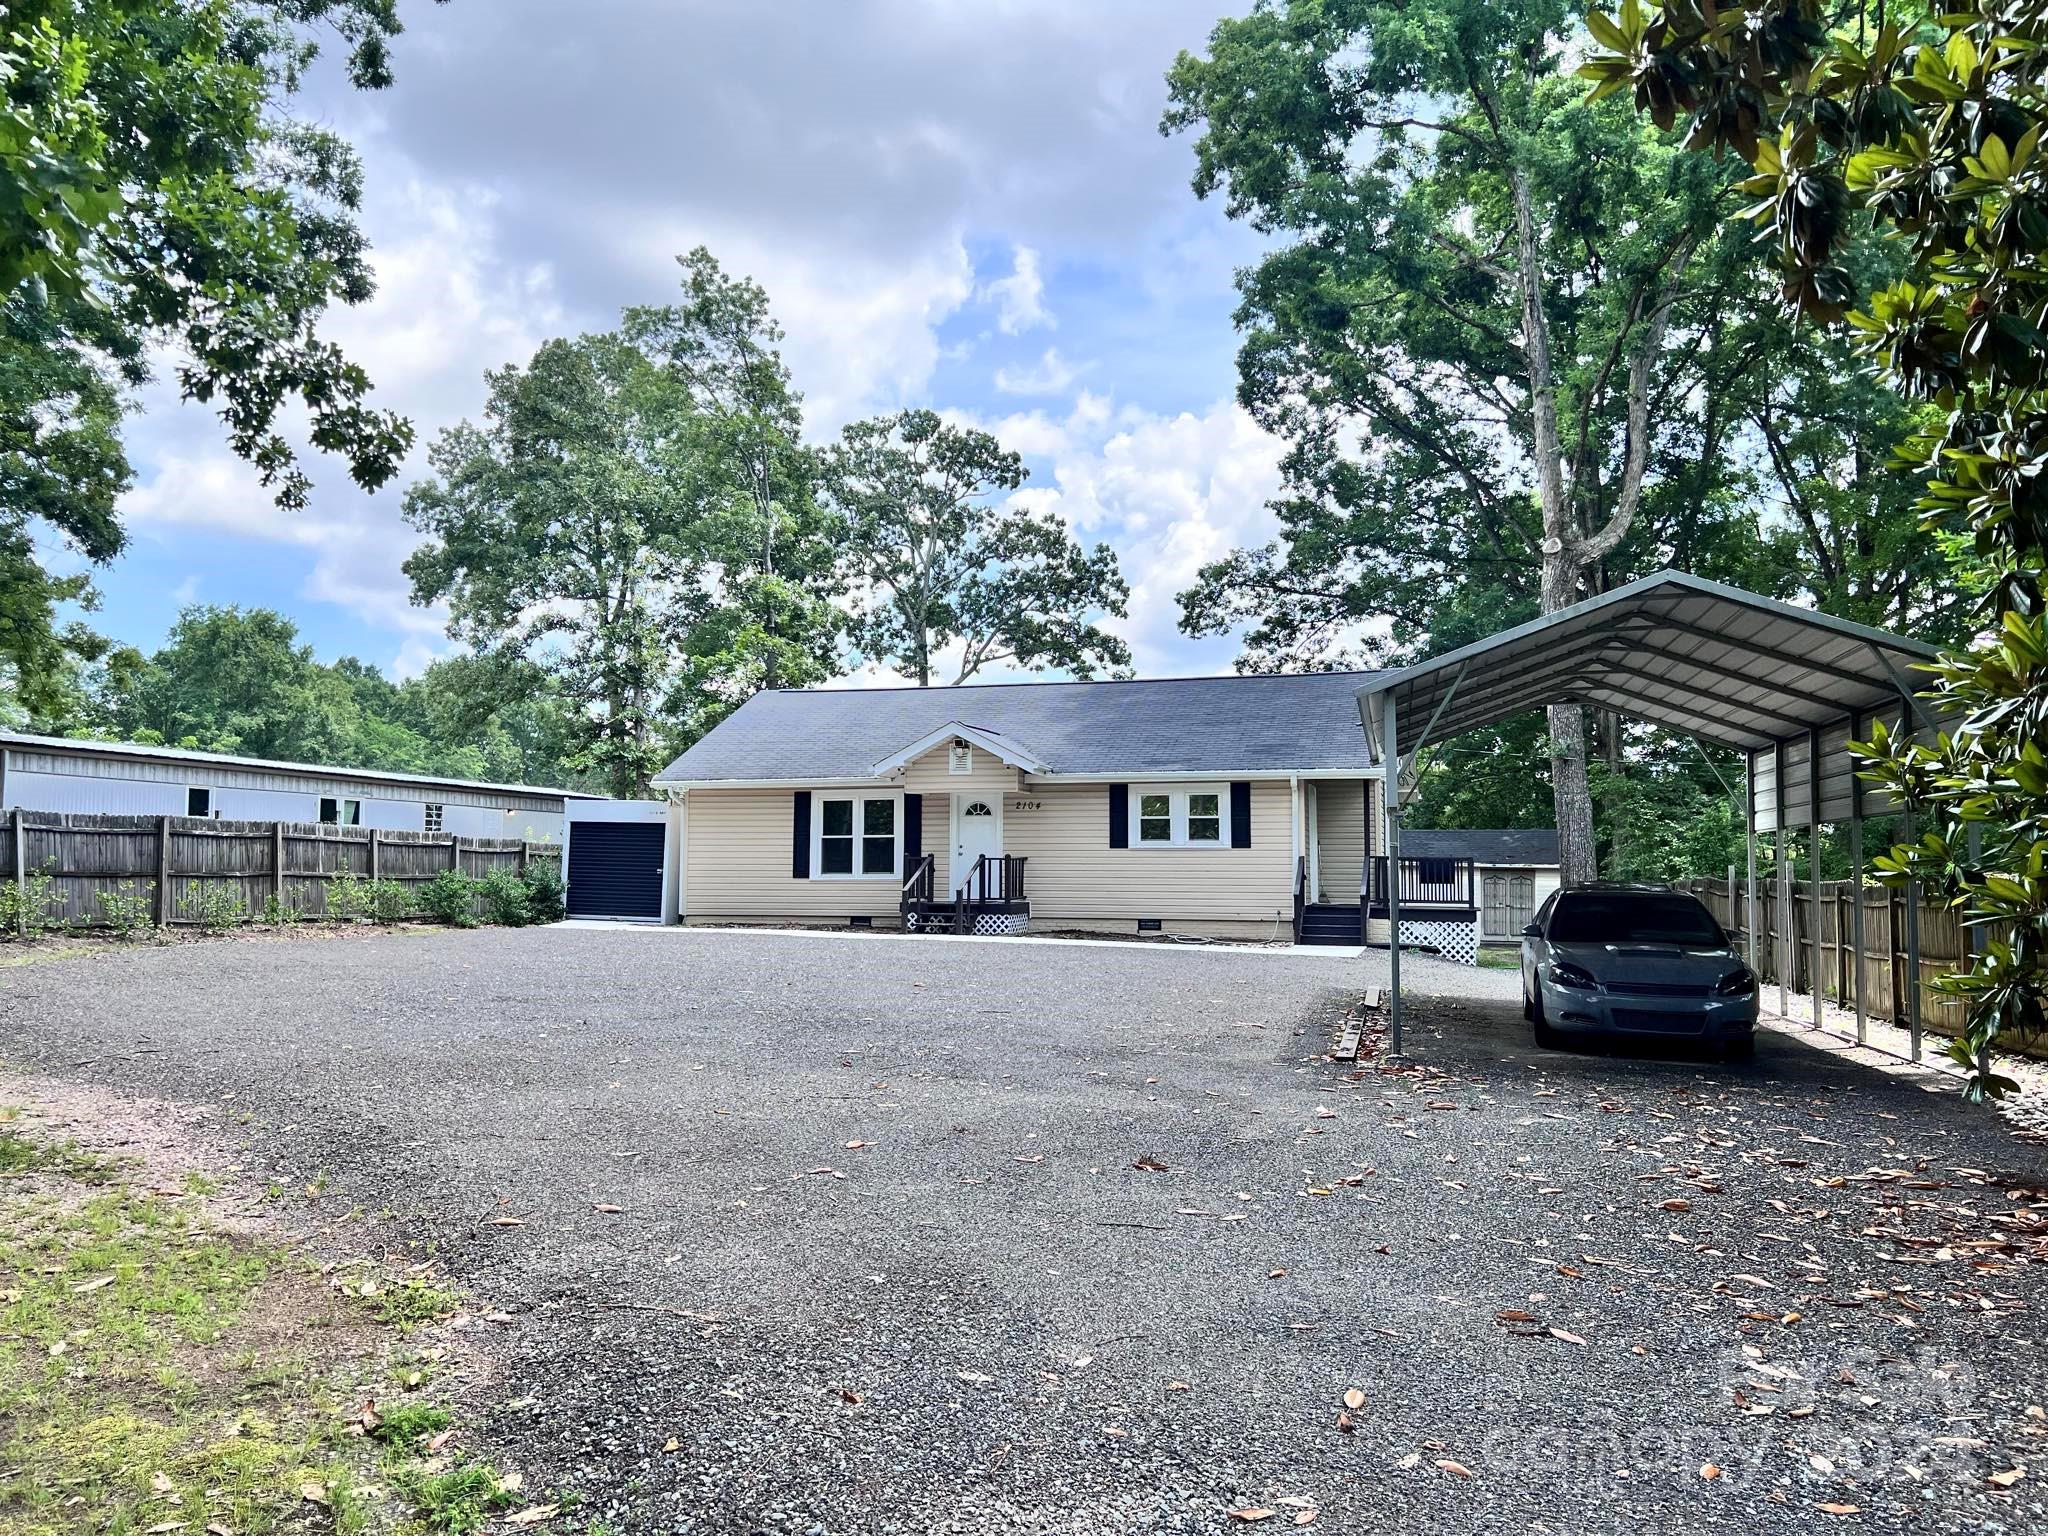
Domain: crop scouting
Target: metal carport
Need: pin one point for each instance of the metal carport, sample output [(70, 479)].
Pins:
[(1787, 687)]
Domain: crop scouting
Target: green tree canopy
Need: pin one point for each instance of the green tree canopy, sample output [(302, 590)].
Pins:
[(635, 518), (1511, 346), (1926, 121), (945, 558), (156, 190)]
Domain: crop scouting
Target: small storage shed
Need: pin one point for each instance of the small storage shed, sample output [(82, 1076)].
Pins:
[(1514, 868)]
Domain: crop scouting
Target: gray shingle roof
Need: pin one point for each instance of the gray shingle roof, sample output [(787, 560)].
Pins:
[(1257, 724), (1532, 846)]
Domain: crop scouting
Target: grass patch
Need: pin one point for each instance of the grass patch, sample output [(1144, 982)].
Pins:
[(411, 1302), (1497, 959), (160, 1372), (459, 1500)]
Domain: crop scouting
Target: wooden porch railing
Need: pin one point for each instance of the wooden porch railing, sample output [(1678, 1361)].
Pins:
[(994, 880), (918, 892), (1424, 882)]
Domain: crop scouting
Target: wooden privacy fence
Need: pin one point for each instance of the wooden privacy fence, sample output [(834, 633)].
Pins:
[(1884, 961), (185, 860)]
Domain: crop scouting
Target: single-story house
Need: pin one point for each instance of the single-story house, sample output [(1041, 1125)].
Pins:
[(1516, 870), (1236, 807), (116, 778)]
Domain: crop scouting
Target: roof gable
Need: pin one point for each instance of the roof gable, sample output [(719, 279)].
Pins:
[(989, 741), (1245, 725)]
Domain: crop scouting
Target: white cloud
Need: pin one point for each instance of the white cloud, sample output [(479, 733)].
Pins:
[(447, 308), (1020, 297), (1050, 375), (861, 334), (1169, 493)]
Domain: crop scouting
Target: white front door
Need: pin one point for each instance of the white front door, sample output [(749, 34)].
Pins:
[(977, 830)]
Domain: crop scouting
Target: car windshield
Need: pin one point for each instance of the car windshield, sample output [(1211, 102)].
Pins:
[(1634, 917)]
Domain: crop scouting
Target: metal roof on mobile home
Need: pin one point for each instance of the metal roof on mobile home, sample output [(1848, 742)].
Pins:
[(176, 765)]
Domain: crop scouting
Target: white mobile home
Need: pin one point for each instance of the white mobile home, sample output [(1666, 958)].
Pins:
[(47, 773)]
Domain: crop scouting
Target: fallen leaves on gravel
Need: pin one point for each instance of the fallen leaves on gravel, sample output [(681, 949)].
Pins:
[(1455, 1468), (608, 1209), (1252, 1515), (1840, 1509), (533, 1514), (2006, 1479), (1710, 1471), (1354, 1399), (1153, 1165)]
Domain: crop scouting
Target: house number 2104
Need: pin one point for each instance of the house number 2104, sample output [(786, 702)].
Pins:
[(1027, 805)]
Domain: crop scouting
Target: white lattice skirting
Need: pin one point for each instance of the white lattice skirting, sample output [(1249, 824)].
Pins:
[(1454, 940), (993, 923)]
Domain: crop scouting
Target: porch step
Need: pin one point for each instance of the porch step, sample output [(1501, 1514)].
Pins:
[(1322, 923)]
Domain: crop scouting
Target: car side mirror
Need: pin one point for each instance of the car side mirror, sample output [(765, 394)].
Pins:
[(1533, 931)]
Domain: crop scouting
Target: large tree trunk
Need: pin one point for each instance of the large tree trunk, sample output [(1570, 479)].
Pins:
[(1571, 796)]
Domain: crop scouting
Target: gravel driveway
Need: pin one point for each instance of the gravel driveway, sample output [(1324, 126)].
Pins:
[(923, 1235)]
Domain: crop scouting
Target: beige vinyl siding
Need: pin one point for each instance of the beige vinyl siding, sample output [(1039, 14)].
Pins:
[(1075, 878), (737, 863), (1340, 837), (738, 859)]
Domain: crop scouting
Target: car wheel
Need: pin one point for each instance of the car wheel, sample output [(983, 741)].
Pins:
[(1547, 1038)]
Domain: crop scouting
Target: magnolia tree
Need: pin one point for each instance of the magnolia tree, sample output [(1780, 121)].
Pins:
[(1925, 123)]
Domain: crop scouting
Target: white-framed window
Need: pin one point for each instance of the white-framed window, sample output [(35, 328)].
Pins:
[(436, 815), (857, 837), (338, 812), (1180, 816)]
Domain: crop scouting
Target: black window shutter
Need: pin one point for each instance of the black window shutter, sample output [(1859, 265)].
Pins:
[(913, 832), (800, 844), (1240, 814), (1119, 815)]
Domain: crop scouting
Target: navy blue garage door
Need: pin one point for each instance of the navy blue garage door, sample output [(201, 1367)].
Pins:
[(615, 868)]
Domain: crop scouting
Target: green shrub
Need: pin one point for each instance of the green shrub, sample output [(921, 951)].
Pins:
[(389, 901), (506, 899), (27, 912), (450, 897), (278, 913), (547, 898), (217, 908), (128, 908), (348, 897)]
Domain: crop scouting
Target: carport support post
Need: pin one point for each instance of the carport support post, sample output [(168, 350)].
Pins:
[(1783, 953), (1856, 889), (1749, 892), (1813, 855), (1913, 950), (1390, 802)]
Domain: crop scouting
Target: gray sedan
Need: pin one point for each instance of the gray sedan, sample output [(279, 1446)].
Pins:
[(1635, 960)]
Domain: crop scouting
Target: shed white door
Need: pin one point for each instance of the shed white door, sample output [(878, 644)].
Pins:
[(977, 830)]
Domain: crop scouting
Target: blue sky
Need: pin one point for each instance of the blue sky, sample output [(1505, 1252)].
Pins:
[(957, 203)]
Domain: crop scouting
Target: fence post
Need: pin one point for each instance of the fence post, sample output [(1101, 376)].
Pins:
[(20, 877), (277, 864), (163, 872), (522, 858), (455, 852), (376, 854)]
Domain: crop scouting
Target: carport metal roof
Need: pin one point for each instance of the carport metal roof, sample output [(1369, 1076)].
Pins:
[(1787, 687), (1775, 682)]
